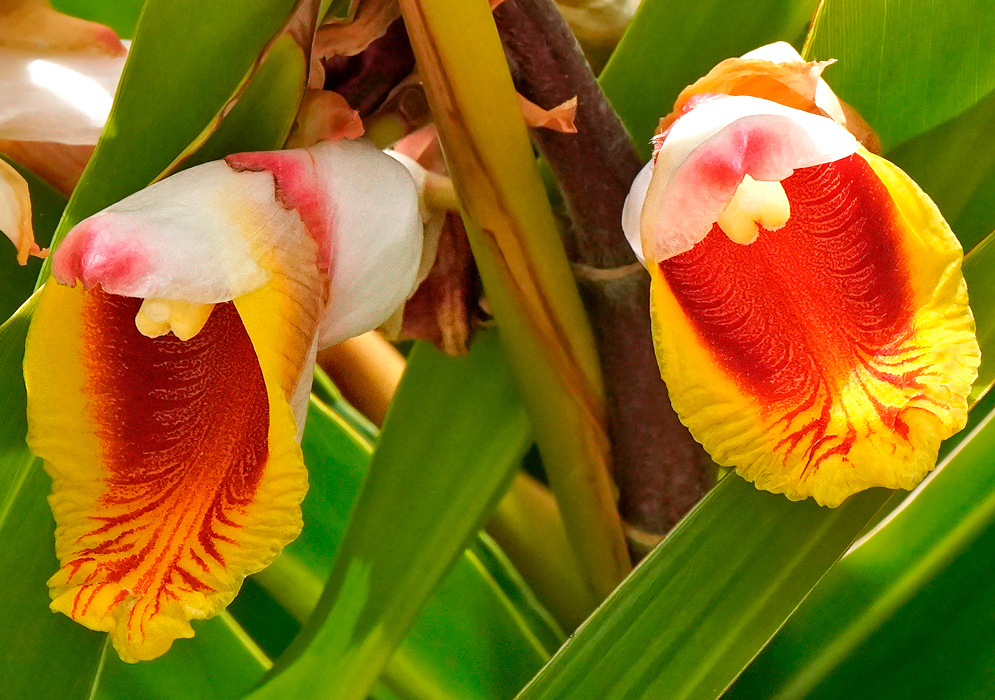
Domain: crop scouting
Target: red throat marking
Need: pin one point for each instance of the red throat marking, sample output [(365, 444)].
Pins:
[(184, 432), (791, 314)]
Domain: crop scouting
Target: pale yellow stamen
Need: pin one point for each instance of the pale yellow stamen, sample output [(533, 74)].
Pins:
[(755, 204), (160, 316)]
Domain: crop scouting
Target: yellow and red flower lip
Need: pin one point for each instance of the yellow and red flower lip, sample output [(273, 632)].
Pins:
[(168, 373), (810, 316)]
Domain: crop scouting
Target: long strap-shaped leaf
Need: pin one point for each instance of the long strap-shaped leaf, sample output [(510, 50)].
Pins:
[(706, 600), (954, 164), (480, 604), (445, 455), (906, 65)]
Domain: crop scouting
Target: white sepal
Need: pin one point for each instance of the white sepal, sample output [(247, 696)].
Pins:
[(62, 97), (705, 156), (378, 237)]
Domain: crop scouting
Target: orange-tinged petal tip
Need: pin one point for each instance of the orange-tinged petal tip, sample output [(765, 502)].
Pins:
[(15, 213), (324, 115), (559, 118), (34, 26)]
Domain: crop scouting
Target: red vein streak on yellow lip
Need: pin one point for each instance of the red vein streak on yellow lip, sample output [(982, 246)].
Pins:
[(796, 313), (183, 429)]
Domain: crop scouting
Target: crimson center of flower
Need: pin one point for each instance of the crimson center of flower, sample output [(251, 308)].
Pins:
[(183, 426), (791, 315)]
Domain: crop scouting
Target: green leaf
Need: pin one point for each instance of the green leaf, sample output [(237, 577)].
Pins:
[(669, 45), (119, 15), (978, 265), (444, 455), (449, 654), (482, 602), (706, 600), (865, 629), (954, 164), (907, 65), (43, 655), (219, 663), (264, 113)]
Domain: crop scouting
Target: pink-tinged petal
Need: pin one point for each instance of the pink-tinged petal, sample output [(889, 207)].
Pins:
[(705, 155), (200, 235), (363, 214), (334, 227), (810, 315), (823, 98)]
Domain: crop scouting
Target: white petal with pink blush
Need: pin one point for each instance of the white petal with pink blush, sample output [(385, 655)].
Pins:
[(724, 149), (220, 230)]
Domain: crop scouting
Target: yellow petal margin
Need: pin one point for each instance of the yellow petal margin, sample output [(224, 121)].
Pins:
[(832, 355), (175, 466)]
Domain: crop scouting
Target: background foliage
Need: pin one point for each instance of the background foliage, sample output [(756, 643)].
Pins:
[(396, 593)]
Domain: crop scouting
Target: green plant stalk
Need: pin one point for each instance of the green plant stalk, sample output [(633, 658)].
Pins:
[(525, 272), (661, 472), (527, 526)]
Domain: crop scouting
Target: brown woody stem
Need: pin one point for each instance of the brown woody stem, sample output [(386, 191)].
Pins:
[(660, 471)]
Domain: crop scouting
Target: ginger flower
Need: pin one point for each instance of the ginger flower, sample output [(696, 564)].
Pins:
[(168, 367), (810, 316)]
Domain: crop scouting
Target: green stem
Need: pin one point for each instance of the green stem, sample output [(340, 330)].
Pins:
[(660, 470), (526, 275)]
